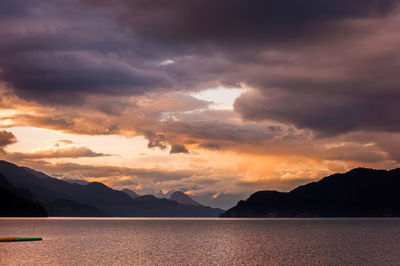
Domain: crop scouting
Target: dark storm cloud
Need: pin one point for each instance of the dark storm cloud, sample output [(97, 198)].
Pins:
[(178, 148), (328, 115), (275, 56), (269, 46), (12, 9), (237, 21), (6, 138), (68, 74), (156, 140), (54, 53), (331, 92)]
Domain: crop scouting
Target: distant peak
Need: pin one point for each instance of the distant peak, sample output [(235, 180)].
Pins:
[(361, 169), (96, 184), (183, 198), (178, 193), (146, 198), (130, 193)]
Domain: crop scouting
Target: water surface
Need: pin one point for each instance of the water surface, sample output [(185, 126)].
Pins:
[(150, 241)]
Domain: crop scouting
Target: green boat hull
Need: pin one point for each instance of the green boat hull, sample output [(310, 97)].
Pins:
[(15, 239)]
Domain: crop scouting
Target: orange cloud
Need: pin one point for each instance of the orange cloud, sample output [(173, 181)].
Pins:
[(69, 152)]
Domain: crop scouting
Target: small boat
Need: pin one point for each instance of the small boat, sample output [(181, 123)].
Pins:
[(14, 239)]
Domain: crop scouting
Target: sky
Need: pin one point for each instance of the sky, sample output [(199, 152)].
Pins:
[(217, 99)]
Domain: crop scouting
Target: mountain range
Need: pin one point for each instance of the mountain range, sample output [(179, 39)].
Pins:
[(61, 198), (358, 193), (17, 202)]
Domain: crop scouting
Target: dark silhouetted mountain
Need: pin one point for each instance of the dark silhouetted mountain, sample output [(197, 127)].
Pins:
[(36, 173), (70, 208), (46, 190), (113, 202), (182, 198), (151, 206), (146, 198), (75, 181), (358, 193), (4, 183), (130, 193), (13, 205)]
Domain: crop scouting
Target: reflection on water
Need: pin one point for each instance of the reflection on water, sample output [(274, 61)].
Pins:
[(152, 241)]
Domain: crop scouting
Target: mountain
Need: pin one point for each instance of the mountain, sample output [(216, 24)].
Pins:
[(151, 206), (75, 181), (72, 208), (75, 197), (182, 198), (130, 193), (358, 193), (36, 173), (12, 204), (49, 189)]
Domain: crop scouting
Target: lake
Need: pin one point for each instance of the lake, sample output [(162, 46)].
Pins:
[(180, 241)]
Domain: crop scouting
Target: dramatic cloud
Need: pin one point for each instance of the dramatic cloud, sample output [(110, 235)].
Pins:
[(178, 148), (354, 89), (6, 138), (67, 152), (269, 45), (54, 76), (54, 58), (314, 64), (235, 22)]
